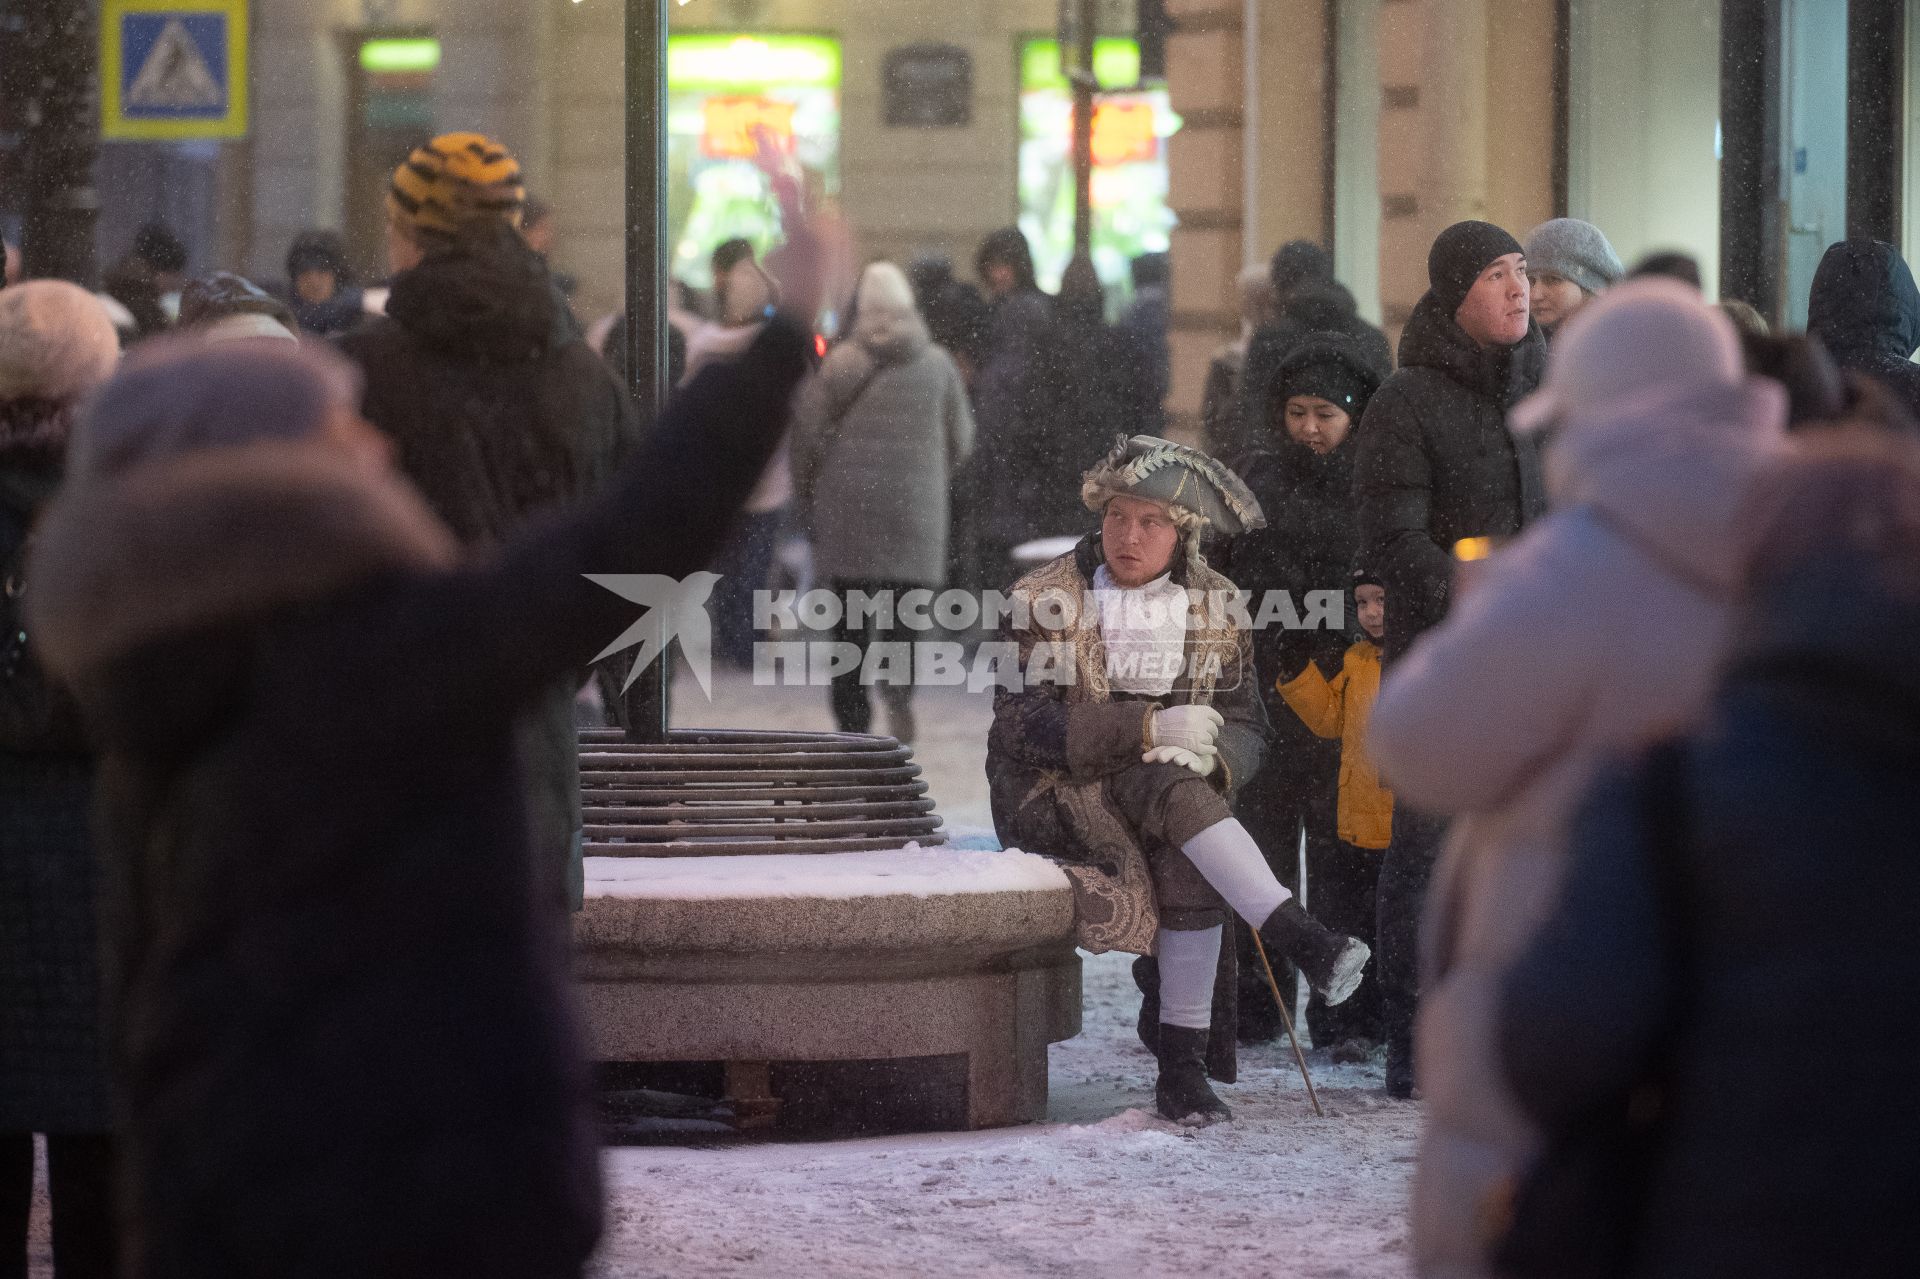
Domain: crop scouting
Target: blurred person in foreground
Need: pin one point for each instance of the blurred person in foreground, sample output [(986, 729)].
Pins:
[(1598, 629), (881, 435), (57, 345), (341, 1034), (497, 408), (1121, 764), (1715, 1029), (1821, 396)]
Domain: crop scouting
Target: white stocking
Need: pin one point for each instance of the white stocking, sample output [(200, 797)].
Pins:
[(1188, 961), (1227, 858)]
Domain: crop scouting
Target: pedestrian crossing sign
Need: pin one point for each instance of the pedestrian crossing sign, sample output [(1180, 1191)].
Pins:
[(173, 69)]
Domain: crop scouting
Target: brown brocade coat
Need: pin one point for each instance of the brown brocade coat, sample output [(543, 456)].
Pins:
[(1054, 744)]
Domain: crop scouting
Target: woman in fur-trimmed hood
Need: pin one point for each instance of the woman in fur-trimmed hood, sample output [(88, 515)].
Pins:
[(340, 1033), (1136, 715)]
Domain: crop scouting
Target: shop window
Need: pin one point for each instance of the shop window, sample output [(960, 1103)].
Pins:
[(1131, 125), (722, 92)]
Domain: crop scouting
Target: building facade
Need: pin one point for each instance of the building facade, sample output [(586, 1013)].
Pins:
[(1750, 133)]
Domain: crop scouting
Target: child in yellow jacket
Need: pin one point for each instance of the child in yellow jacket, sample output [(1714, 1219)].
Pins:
[(1343, 878), (1340, 707)]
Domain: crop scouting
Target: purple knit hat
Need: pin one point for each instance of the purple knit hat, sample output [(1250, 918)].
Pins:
[(183, 394)]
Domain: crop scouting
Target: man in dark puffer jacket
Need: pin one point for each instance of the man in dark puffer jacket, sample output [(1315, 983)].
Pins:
[(1437, 465), (498, 406)]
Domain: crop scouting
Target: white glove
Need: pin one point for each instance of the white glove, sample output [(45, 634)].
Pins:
[(1201, 764), (1191, 728)]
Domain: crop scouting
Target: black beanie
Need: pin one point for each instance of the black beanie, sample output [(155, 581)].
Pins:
[(1330, 366), (1299, 262), (1460, 254)]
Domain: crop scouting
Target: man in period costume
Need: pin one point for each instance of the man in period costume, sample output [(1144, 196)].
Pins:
[(1136, 716)]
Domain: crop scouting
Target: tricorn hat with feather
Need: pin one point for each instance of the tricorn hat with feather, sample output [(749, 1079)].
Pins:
[(1200, 490)]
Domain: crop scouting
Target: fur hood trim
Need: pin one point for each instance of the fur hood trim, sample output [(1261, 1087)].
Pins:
[(215, 538)]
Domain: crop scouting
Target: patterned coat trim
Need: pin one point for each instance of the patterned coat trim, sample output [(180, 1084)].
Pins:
[(1052, 746)]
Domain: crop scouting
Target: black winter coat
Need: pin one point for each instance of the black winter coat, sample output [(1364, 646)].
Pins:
[(1437, 463), (1779, 1008), (1083, 406), (1865, 310), (499, 410), (1308, 544), (1144, 370), (53, 1069), (343, 1042), (1015, 476), (344, 312)]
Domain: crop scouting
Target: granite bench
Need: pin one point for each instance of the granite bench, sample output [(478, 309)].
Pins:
[(917, 953)]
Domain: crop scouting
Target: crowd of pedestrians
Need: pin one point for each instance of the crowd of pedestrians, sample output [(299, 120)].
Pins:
[(1592, 779)]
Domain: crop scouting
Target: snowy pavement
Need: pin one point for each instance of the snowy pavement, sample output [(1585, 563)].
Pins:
[(1102, 1189)]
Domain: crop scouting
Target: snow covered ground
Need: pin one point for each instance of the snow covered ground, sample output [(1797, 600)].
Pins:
[(1102, 1189)]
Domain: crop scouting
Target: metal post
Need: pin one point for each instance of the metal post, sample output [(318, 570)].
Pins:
[(1876, 67), (1750, 167), (647, 252), (1085, 87), (51, 68)]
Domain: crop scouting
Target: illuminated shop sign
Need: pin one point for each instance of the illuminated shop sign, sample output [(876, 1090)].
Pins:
[(722, 89)]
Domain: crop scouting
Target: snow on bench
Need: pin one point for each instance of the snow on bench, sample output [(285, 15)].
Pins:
[(912, 871)]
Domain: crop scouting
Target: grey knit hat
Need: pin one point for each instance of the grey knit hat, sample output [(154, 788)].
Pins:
[(1574, 250), (56, 342)]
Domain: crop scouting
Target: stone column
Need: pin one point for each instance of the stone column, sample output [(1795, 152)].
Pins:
[(499, 76), (1221, 93), (1466, 128), (296, 161)]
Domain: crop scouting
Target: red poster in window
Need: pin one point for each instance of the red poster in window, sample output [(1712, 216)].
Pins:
[(1123, 133), (731, 122)]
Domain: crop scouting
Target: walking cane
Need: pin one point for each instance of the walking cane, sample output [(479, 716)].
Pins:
[(1286, 1020)]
